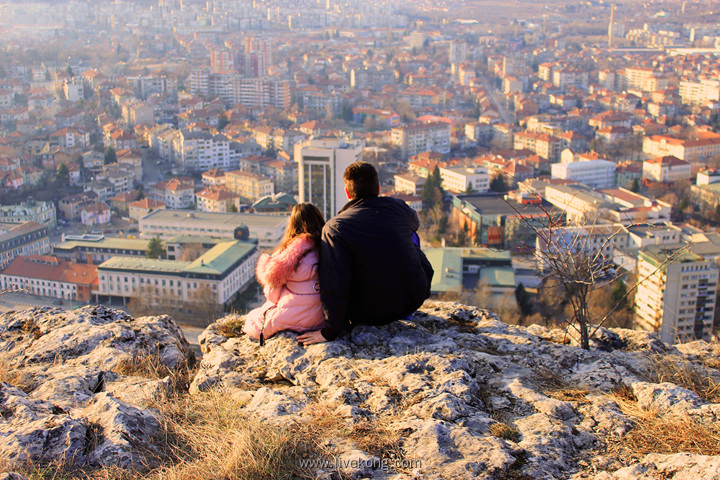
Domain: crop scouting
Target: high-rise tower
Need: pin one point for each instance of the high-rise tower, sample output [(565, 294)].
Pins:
[(610, 27), (321, 165)]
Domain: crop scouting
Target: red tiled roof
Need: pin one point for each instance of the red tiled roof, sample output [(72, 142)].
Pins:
[(667, 160)]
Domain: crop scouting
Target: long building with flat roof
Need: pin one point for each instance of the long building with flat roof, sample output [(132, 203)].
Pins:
[(29, 238), (267, 229), (224, 270), (461, 269), (96, 249)]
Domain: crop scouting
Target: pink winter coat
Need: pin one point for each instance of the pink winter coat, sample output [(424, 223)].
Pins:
[(293, 294)]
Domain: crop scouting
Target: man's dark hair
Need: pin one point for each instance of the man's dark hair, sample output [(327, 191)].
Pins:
[(361, 180)]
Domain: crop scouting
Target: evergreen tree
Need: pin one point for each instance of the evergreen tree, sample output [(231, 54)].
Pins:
[(63, 174), (497, 184), (222, 121), (635, 187), (110, 156), (523, 300), (156, 248), (432, 193), (618, 294)]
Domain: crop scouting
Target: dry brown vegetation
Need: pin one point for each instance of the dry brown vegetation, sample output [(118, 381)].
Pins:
[(702, 381), (11, 375), (662, 432), (656, 432), (232, 327)]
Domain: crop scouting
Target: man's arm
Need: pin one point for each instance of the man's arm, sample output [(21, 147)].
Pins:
[(335, 281)]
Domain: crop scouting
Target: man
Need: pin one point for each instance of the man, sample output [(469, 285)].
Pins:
[(371, 270)]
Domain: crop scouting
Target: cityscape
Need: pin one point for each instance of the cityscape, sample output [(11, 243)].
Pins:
[(151, 151)]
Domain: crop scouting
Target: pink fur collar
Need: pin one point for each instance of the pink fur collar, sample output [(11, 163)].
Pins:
[(274, 271)]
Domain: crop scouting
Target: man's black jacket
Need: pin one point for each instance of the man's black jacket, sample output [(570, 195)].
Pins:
[(370, 270)]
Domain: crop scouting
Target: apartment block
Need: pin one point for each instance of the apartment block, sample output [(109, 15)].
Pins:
[(267, 229), (29, 238), (409, 183), (465, 179), (29, 211), (422, 137), (582, 204), (677, 300), (249, 186), (699, 93), (544, 145), (694, 151), (202, 151)]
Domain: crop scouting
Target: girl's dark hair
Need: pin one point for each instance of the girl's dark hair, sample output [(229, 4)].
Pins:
[(305, 218)]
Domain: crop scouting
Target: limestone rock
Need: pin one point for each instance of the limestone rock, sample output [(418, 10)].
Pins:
[(81, 384), (469, 396), (452, 393)]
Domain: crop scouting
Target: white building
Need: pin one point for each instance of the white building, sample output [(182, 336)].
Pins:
[(321, 165), (594, 173), (422, 137), (677, 299), (706, 177), (463, 179), (699, 93), (203, 151), (221, 272), (30, 211), (267, 229), (667, 169), (409, 183), (582, 204)]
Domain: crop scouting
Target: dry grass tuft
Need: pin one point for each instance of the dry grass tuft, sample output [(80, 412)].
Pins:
[(372, 435), (148, 365), (232, 328), (504, 431), (206, 436), (685, 374), (31, 327), (14, 376), (569, 394), (59, 470), (663, 433), (556, 387)]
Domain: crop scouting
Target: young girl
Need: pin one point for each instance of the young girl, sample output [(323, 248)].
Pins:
[(290, 279)]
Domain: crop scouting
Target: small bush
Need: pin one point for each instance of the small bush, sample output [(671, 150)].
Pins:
[(504, 431), (232, 328)]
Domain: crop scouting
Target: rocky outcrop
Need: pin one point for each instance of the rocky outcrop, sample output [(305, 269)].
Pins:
[(453, 393), (467, 395), (82, 381)]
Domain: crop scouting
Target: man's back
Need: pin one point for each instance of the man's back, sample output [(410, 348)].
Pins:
[(370, 269)]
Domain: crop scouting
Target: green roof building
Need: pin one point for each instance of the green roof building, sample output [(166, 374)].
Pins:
[(221, 272)]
